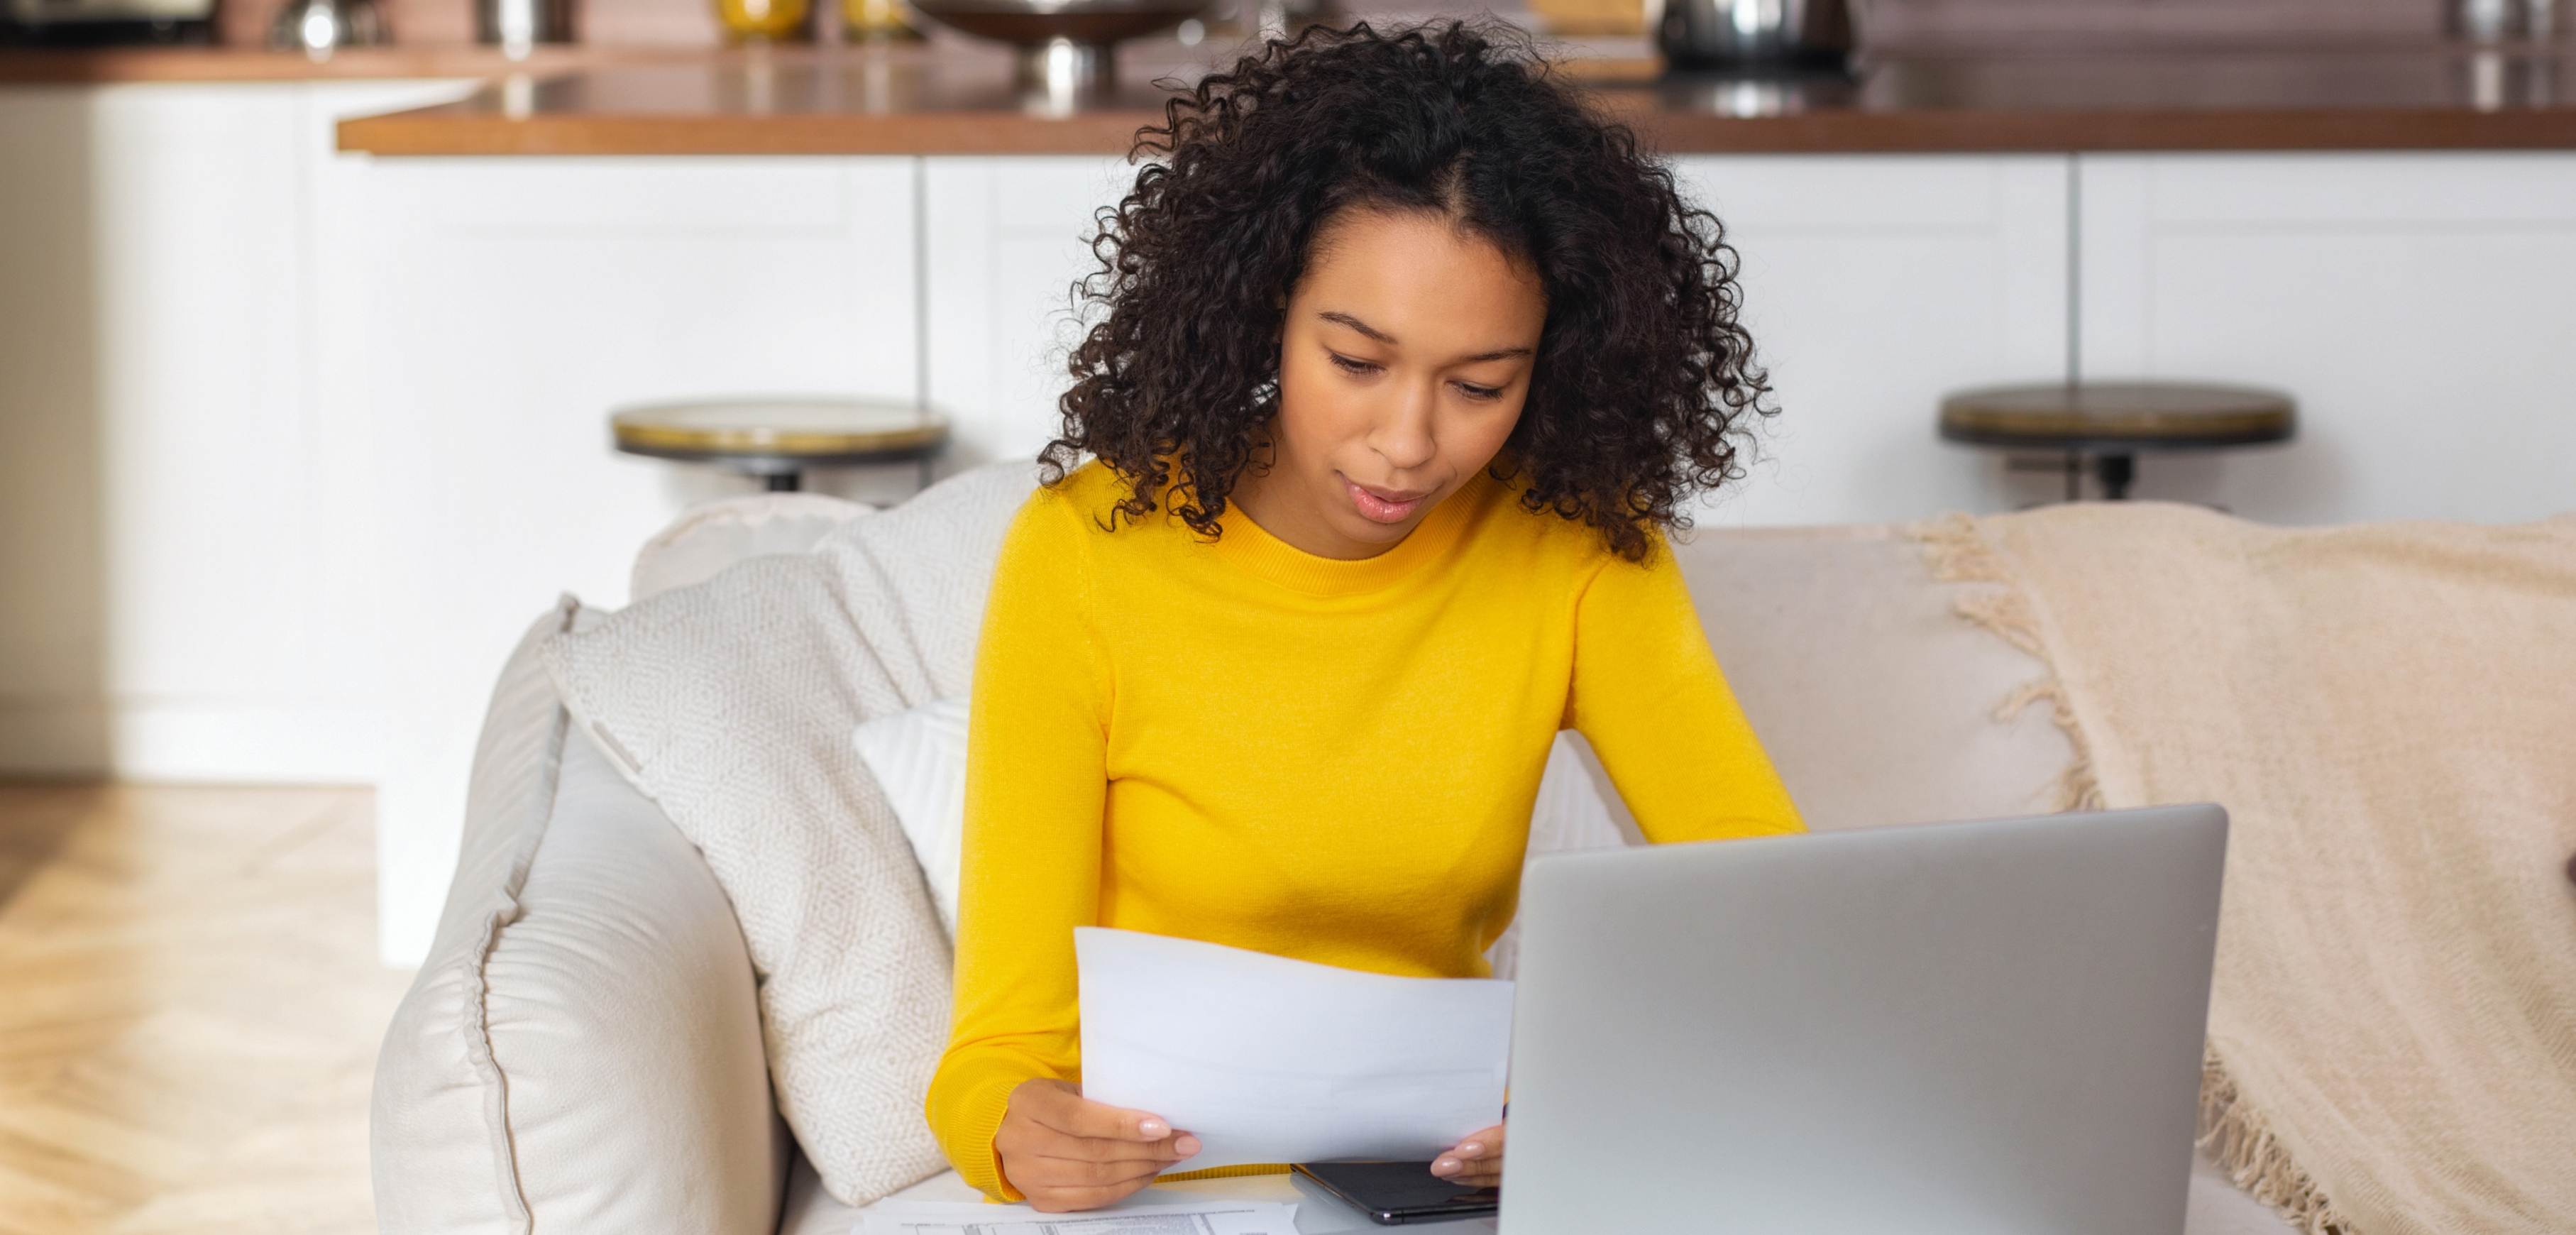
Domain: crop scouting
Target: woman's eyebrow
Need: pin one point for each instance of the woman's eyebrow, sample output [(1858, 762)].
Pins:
[(1345, 319)]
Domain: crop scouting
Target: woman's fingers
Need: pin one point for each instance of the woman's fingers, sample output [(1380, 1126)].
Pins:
[(1068, 1112), (1476, 1161), (1065, 1152)]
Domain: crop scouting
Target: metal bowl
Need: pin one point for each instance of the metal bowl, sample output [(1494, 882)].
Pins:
[(1065, 42)]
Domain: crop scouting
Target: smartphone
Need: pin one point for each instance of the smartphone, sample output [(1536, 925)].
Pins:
[(1397, 1192)]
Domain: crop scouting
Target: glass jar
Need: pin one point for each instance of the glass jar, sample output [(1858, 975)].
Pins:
[(762, 21)]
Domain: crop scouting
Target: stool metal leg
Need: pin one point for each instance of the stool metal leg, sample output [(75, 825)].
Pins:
[(2116, 471)]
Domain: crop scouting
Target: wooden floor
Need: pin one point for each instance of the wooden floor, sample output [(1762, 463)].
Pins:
[(189, 1009)]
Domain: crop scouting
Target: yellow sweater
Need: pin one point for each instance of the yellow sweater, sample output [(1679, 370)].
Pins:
[(1240, 742)]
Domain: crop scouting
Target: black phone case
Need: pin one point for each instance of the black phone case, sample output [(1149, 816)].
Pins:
[(1350, 1187)]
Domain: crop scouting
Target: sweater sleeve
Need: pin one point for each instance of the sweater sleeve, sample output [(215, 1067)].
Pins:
[(1649, 697), (1036, 787)]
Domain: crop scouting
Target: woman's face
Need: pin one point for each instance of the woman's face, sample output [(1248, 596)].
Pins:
[(1403, 366)]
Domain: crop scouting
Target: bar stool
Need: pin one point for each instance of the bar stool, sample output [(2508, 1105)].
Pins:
[(2109, 424), (777, 439)]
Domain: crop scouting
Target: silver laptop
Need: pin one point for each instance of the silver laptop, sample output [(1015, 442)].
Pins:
[(1987, 1027)]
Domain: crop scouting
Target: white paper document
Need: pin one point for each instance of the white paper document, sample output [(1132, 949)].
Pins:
[(1216, 1216), (1268, 1059)]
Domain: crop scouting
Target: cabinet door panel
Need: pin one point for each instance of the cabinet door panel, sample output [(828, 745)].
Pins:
[(1873, 285), (513, 303), (1006, 238), (2416, 305)]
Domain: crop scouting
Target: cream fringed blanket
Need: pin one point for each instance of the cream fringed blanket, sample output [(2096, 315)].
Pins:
[(2388, 712)]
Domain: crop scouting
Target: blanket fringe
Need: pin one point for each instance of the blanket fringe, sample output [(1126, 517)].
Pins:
[(1958, 553), (2243, 1144)]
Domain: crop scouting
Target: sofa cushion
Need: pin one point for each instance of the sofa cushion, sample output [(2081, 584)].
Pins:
[(582, 1050), (1876, 700)]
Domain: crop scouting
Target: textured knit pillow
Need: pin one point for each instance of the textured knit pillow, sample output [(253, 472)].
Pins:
[(732, 703)]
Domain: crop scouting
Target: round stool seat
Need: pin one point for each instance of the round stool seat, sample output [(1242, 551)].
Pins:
[(779, 438), (2123, 416), (2113, 422)]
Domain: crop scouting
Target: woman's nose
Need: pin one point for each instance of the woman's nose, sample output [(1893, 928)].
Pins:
[(1403, 435)]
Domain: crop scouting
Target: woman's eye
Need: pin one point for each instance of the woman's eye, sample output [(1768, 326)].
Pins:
[(1473, 391), (1349, 365)]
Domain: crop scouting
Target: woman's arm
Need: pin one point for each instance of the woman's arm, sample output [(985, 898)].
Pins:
[(1648, 695), (1036, 785)]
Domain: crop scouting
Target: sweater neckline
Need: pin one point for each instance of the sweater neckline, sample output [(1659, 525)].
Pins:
[(1253, 549)]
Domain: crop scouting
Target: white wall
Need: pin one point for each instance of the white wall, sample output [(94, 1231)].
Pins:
[(53, 602)]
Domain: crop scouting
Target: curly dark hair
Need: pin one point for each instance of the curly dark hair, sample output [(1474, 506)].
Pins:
[(1644, 380)]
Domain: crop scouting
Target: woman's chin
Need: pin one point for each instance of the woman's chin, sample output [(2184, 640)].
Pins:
[(1361, 529)]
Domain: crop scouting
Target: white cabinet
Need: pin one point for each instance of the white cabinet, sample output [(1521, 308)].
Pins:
[(2422, 307), (514, 302), (1872, 285), (1005, 239), (188, 569)]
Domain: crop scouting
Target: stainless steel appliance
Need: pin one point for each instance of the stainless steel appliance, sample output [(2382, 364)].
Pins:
[(515, 26), (96, 23), (1756, 35)]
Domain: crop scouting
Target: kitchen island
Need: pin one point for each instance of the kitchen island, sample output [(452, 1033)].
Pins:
[(338, 342)]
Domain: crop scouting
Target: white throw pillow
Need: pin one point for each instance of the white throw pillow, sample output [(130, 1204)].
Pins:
[(919, 759)]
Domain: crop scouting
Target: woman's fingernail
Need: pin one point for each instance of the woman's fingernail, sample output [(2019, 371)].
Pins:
[(1444, 1166), (1154, 1129), (1187, 1145), (1472, 1149)]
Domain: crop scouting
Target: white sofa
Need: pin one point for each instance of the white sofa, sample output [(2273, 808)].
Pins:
[(585, 1053)]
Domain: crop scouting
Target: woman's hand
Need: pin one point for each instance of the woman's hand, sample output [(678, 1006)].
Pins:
[(1066, 1152), (1477, 1162)]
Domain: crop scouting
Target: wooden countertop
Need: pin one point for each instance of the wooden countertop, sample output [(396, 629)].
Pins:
[(2353, 98), (106, 65), (955, 98)]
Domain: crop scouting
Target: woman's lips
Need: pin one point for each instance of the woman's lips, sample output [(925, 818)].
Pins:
[(1393, 506)]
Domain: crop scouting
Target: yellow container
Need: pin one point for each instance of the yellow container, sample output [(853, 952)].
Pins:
[(763, 21), (876, 21)]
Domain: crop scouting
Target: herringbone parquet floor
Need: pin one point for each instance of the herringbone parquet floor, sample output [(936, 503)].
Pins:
[(189, 1009)]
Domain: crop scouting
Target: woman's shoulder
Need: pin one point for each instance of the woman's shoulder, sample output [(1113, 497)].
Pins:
[(1074, 523), (1505, 522), (1063, 507)]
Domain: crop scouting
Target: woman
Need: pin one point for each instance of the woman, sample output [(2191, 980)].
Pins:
[(1407, 364)]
